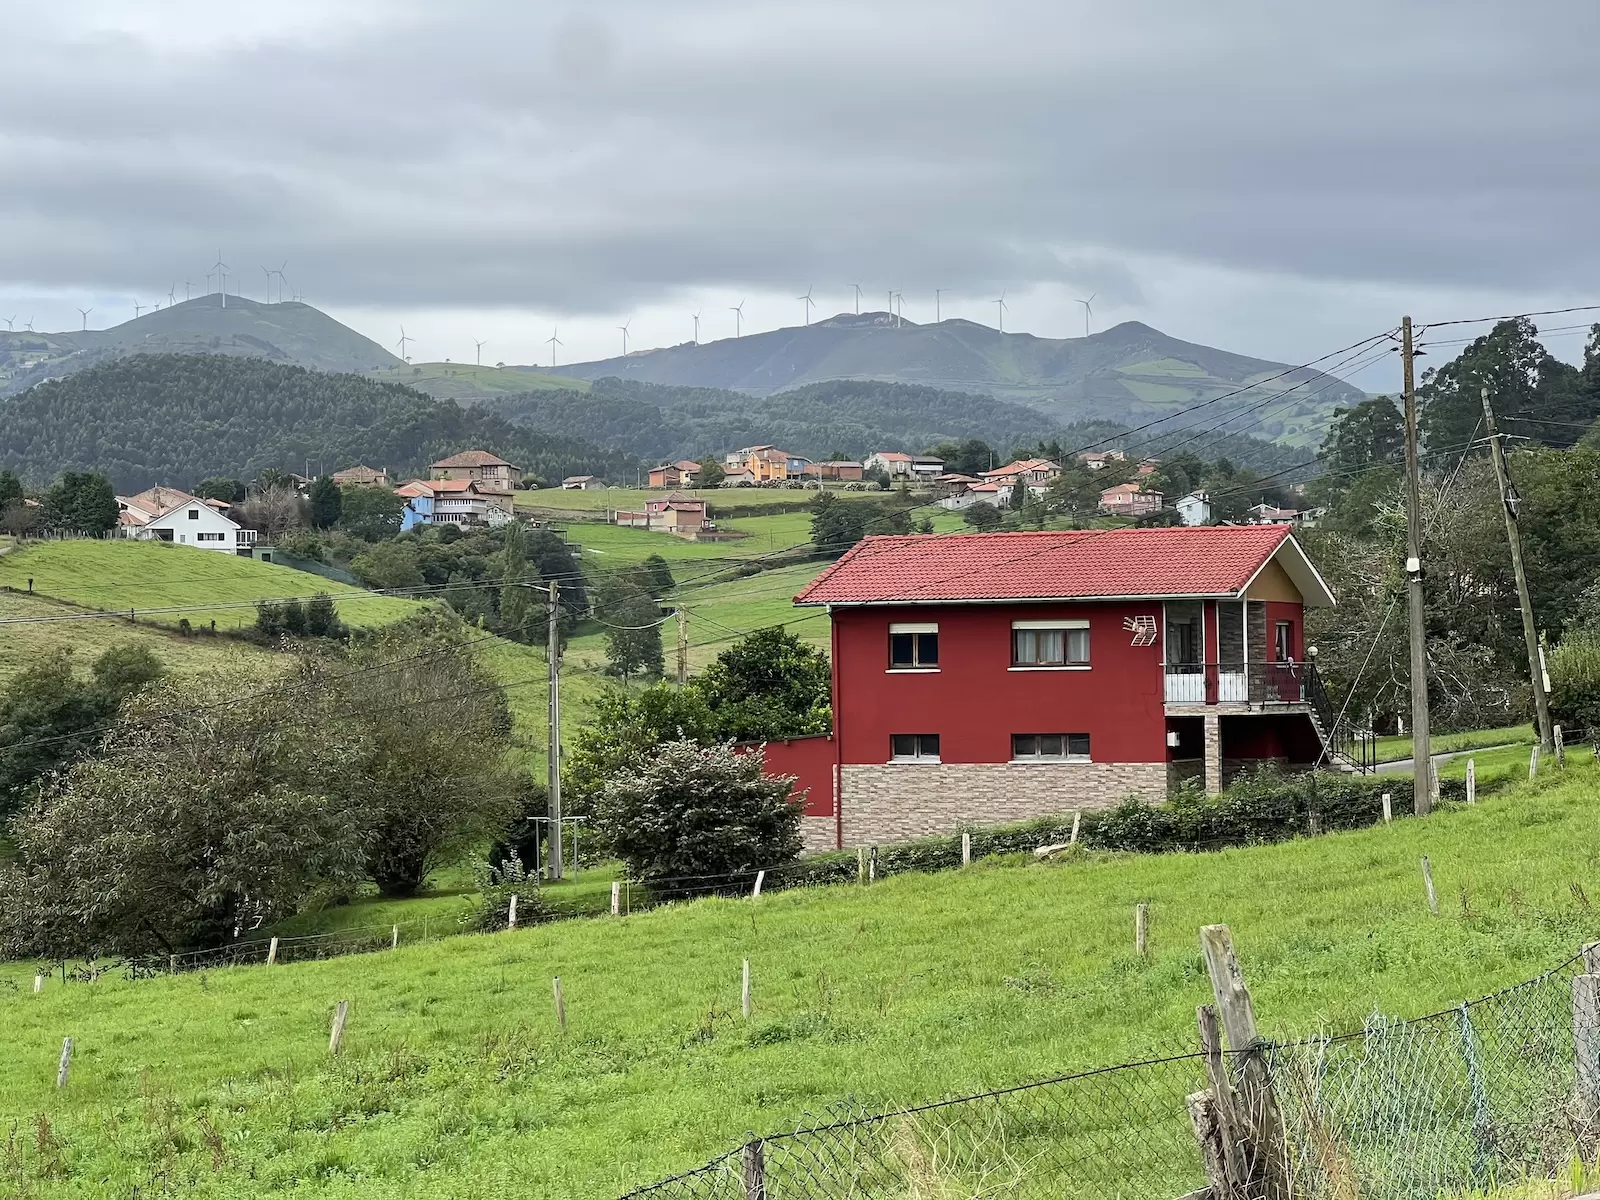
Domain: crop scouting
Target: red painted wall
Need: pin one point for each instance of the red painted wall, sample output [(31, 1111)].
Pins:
[(1280, 610), (975, 702), (810, 761)]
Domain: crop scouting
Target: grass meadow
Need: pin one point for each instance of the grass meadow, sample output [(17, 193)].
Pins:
[(456, 1082)]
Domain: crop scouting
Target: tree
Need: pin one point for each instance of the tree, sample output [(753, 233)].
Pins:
[(430, 730), (969, 456), (272, 511), (1021, 493), (625, 725), (326, 502), (18, 518), (81, 502), (388, 565), (692, 810), (1520, 374), (768, 685), (836, 524), (711, 472), (221, 487), (633, 633), (49, 715), (10, 489), (982, 515), (658, 576), (370, 512), (212, 810)]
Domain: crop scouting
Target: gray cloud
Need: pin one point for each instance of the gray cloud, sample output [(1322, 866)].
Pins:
[(612, 154)]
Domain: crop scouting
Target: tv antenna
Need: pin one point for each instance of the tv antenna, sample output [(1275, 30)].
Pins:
[(85, 312), (1088, 311), (403, 342), (624, 328), (479, 347), (738, 317), (1000, 306), (857, 287), (554, 342), (808, 301)]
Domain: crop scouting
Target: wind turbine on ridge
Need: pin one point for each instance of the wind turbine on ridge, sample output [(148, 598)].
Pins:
[(624, 328), (138, 308), (479, 348), (84, 311), (1087, 311), (172, 296), (11, 323), (266, 295), (221, 269), (1001, 306), (554, 342), (697, 329), (809, 302), (857, 287), (738, 317), (402, 343), (282, 279)]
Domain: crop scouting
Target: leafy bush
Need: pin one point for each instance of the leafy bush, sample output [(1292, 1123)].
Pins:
[(1575, 683), (490, 909)]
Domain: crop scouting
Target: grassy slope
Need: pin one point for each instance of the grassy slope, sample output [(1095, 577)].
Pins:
[(722, 500), (1391, 749), (23, 645), (113, 575), (451, 381), (456, 1084)]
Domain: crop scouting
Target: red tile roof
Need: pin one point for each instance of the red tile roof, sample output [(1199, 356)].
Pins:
[(472, 458), (1068, 565)]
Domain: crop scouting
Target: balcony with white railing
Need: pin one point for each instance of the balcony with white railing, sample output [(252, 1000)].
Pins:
[(1269, 683)]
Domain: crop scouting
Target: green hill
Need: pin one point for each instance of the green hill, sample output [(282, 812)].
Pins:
[(467, 382), (177, 418), (288, 332), (456, 1083), (1130, 373)]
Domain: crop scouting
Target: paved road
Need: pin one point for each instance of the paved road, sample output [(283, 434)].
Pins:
[(1404, 765)]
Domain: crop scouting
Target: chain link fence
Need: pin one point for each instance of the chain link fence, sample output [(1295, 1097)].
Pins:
[(1446, 1105)]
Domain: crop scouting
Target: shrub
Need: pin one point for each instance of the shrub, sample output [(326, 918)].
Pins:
[(1575, 683), (490, 909)]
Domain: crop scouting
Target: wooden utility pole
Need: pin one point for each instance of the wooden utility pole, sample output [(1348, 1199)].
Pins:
[(1509, 501), (683, 646), (1421, 743), (553, 653)]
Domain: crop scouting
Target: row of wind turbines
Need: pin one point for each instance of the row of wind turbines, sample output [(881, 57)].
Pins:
[(896, 309)]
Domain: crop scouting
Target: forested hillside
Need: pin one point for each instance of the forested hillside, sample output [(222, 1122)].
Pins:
[(849, 418), (175, 419)]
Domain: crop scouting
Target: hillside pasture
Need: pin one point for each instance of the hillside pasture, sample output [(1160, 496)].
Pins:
[(467, 381), (455, 1081), (115, 575)]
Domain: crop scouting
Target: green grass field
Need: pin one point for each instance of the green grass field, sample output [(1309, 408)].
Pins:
[(115, 575), (455, 1081), (1391, 749), (457, 380), (725, 502)]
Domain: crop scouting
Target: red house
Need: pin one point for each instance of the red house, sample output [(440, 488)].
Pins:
[(995, 677)]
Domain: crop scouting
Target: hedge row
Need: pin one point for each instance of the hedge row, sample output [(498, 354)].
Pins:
[(1267, 806)]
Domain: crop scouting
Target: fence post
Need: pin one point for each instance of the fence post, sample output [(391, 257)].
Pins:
[(872, 866), (511, 913), (1533, 762), (1586, 1031), (38, 982), (1388, 808), (861, 863), (394, 938), (1427, 882), (1561, 747), (756, 891), (272, 952), (336, 1037), (1077, 820), (744, 990), (561, 1003), (1141, 929), (1207, 1132), (616, 899), (1472, 781), (754, 1159), (66, 1062), (1260, 1106), (966, 849), (1224, 1107)]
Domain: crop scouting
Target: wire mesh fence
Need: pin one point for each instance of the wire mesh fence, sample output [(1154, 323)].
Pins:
[(1500, 1089)]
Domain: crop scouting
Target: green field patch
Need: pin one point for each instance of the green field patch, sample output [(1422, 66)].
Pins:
[(1163, 366), (450, 380), (116, 575), (1160, 393)]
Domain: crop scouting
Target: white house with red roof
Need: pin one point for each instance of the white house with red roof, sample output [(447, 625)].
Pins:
[(986, 678), (163, 514)]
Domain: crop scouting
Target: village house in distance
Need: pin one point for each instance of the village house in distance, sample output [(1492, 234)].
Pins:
[(979, 679)]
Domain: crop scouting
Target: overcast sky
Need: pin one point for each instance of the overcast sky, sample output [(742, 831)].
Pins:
[(1277, 177)]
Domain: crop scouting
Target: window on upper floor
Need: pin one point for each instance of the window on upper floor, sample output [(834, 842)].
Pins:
[(1050, 747), (194, 514), (914, 647), (1284, 642), (914, 747), (1050, 643)]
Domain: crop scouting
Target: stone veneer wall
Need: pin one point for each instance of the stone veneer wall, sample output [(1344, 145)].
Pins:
[(895, 802), (820, 833)]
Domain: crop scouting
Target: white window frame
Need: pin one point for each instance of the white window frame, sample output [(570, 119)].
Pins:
[(1066, 755), (913, 758), (1062, 623), (912, 627)]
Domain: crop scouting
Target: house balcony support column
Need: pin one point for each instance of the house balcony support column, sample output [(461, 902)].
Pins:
[(1213, 724)]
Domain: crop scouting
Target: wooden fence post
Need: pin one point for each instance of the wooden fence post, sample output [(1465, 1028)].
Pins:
[(172, 964), (1224, 1107), (511, 913), (1207, 1132), (1077, 821), (272, 952), (1561, 747), (1472, 781), (561, 1003), (336, 1037), (1388, 808), (872, 866), (966, 849), (1586, 1042), (616, 899), (756, 891), (1141, 929), (744, 991), (38, 982), (861, 865), (1260, 1107), (66, 1062), (394, 938), (754, 1161), (1533, 762), (1427, 882)]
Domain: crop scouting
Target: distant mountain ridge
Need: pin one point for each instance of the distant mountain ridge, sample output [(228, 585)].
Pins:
[(1130, 372), (289, 332)]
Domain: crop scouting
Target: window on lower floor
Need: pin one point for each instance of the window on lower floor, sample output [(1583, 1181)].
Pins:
[(914, 747), (208, 537), (913, 647), (1050, 747), (1050, 643)]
